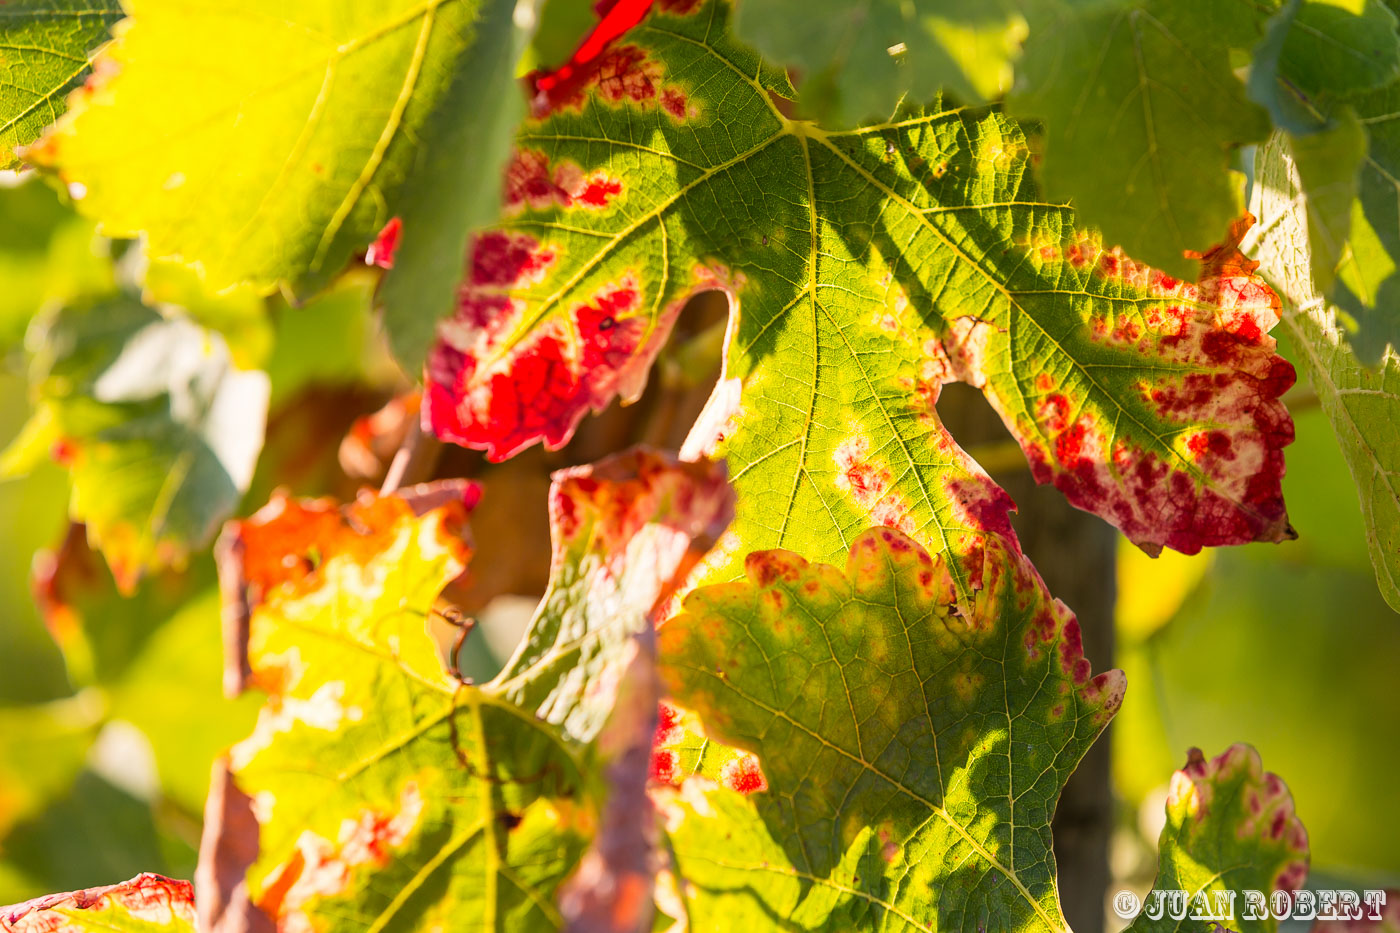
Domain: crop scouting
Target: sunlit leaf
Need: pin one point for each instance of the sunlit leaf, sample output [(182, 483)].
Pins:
[(44, 47), (383, 788), (265, 144), (145, 904), (865, 269), (910, 752), (1230, 828)]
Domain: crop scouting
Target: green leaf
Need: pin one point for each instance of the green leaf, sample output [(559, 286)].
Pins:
[(860, 60), (160, 430), (47, 255), (911, 751), (1367, 289), (145, 904), (42, 749), (265, 144), (1142, 112), (1317, 52), (44, 47), (385, 789), (1329, 163), (864, 270), (1362, 403)]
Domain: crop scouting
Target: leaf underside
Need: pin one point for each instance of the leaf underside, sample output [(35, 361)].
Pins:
[(1362, 403)]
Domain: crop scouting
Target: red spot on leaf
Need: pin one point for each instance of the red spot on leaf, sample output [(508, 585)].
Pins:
[(769, 567), (665, 767), (1219, 392), (64, 452), (381, 251), (531, 181), (870, 483), (321, 868), (742, 774)]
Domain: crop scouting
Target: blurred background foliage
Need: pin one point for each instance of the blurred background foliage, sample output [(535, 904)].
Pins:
[(111, 711), (1289, 647)]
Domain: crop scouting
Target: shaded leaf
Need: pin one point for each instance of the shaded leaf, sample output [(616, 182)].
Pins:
[(1315, 53), (145, 903), (385, 789), (1362, 403), (42, 748), (911, 751), (859, 61), (95, 831), (44, 47), (1329, 164), (265, 145), (864, 270), (1155, 80), (48, 254), (1367, 286), (160, 430)]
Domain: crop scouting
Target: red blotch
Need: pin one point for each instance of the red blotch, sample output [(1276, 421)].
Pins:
[(768, 567), (617, 17), (871, 484), (665, 767), (1219, 395), (505, 260), (673, 102), (742, 774), (381, 251), (540, 386), (1072, 660), (531, 181), (156, 900), (64, 452), (599, 191), (984, 506), (319, 868)]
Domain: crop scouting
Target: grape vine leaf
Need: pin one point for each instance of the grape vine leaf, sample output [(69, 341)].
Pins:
[(150, 658), (864, 269), (1155, 79), (859, 61), (47, 256), (912, 748), (1314, 54), (1230, 827), (1366, 282), (147, 903), (384, 788), (264, 144), (1363, 403), (158, 427), (44, 48)]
